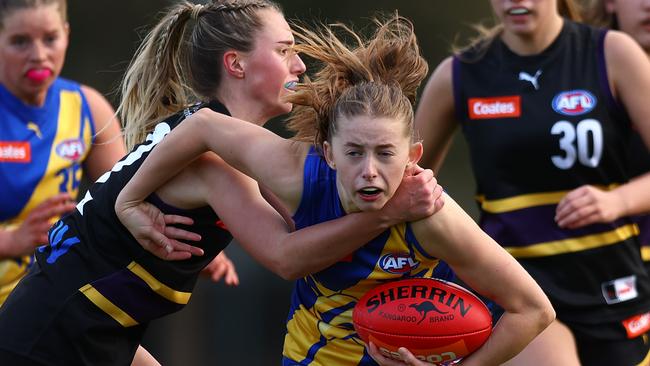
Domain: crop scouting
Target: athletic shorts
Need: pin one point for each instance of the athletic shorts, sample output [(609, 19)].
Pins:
[(40, 326), (595, 349)]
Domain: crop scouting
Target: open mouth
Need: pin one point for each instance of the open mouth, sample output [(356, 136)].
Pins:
[(518, 11), (369, 192)]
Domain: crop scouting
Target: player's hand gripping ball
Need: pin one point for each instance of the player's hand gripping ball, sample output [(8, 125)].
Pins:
[(436, 320)]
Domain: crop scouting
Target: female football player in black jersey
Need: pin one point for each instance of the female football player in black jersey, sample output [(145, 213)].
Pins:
[(547, 106), (94, 289), (633, 18)]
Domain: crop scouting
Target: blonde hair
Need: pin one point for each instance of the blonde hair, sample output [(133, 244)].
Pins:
[(177, 64), (8, 6), (569, 9), (378, 77)]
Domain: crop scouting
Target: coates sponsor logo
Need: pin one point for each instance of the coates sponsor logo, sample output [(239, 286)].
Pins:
[(574, 102), (397, 263), (497, 107), (637, 325), (72, 149), (15, 152)]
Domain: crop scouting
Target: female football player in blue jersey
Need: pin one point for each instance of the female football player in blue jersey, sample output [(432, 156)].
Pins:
[(547, 106), (93, 289), (354, 142), (51, 130)]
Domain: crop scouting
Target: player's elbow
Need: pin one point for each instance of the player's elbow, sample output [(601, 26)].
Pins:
[(283, 267), (290, 273), (544, 314)]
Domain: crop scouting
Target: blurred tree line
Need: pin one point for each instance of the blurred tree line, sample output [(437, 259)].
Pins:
[(245, 325)]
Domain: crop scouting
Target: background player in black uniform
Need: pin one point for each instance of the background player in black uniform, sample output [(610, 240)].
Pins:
[(94, 289), (633, 18), (544, 103)]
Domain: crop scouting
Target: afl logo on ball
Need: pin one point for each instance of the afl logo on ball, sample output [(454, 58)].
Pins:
[(397, 263), (574, 102)]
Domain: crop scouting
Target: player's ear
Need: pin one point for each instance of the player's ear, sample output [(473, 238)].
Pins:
[(233, 63), (329, 155), (415, 153)]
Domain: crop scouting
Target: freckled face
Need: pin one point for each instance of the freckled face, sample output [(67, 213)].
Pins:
[(33, 42), (272, 67), (370, 156)]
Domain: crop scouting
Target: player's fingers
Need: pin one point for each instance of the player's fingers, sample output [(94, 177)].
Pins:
[(412, 169), (177, 246), (584, 221), (569, 206), (177, 219), (423, 177), (177, 256), (373, 351), (180, 234), (569, 218), (408, 357), (42, 239), (232, 279), (46, 213), (218, 272)]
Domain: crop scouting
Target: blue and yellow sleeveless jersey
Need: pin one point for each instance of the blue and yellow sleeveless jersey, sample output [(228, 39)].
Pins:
[(319, 326), (538, 127), (41, 152)]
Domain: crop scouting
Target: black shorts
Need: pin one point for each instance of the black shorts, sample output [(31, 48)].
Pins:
[(39, 325), (597, 346), (626, 352)]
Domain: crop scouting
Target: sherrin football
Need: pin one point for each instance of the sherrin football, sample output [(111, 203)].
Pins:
[(438, 321)]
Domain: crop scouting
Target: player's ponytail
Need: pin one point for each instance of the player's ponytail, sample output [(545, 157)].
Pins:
[(153, 85), (178, 63), (378, 77)]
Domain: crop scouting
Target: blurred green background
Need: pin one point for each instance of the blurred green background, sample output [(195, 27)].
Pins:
[(245, 325)]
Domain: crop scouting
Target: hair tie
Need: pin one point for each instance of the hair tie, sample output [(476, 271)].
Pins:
[(196, 11)]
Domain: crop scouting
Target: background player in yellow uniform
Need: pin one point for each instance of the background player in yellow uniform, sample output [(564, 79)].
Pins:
[(51, 131)]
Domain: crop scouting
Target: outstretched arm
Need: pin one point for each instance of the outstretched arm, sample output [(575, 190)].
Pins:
[(257, 152), (264, 234)]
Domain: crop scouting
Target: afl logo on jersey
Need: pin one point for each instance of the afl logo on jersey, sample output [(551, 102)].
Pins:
[(574, 102), (397, 263), (72, 149)]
